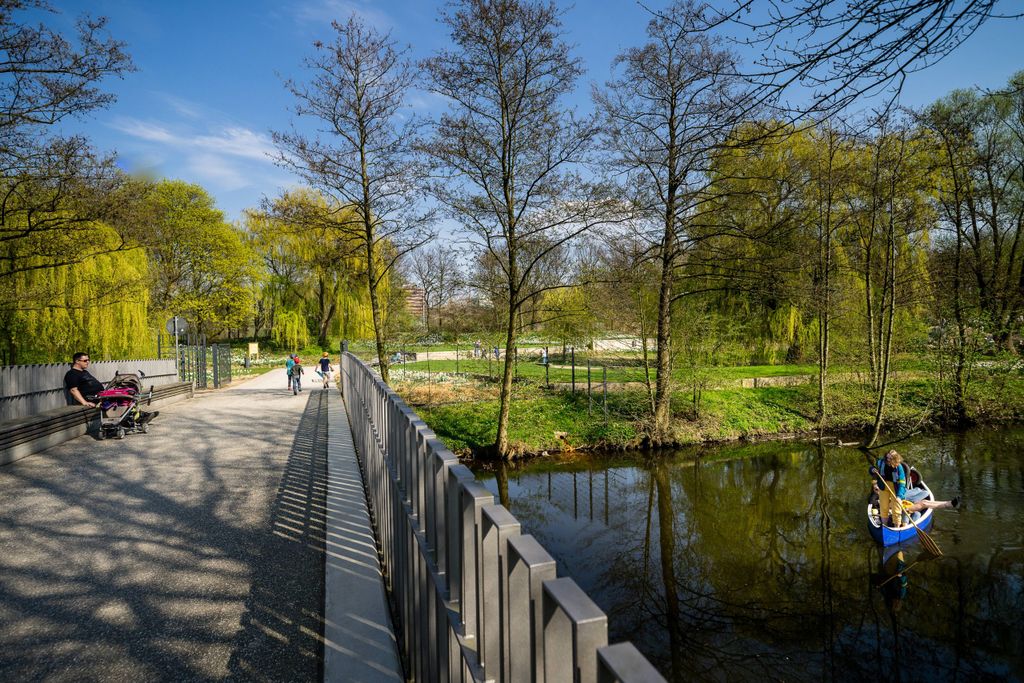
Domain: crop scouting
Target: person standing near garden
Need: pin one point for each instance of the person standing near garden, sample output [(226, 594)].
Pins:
[(326, 370)]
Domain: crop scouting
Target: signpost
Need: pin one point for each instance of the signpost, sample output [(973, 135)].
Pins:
[(176, 326)]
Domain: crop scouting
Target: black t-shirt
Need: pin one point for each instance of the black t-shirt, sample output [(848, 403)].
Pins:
[(86, 384), (325, 364)]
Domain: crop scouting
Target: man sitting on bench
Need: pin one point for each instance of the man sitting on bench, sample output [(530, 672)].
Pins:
[(81, 385)]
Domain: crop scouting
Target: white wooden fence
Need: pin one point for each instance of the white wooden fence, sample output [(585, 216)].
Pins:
[(32, 389)]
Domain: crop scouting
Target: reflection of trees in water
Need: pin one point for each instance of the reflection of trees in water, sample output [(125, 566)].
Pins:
[(770, 567), (734, 568)]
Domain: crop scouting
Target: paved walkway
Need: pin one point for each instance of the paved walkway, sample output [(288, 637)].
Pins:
[(194, 552), (359, 639)]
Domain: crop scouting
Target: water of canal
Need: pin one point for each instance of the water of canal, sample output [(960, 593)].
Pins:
[(754, 561)]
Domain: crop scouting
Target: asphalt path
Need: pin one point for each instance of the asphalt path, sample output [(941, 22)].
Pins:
[(194, 552)]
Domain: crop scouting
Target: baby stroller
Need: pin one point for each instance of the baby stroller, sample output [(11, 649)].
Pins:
[(119, 406)]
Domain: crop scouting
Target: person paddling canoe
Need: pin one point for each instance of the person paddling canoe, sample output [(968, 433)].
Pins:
[(890, 469)]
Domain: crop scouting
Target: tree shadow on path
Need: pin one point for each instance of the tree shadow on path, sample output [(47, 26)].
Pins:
[(281, 638)]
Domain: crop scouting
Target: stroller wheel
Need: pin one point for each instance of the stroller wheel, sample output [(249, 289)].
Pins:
[(102, 435), (144, 427), (120, 432)]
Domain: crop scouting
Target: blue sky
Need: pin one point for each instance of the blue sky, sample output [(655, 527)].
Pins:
[(209, 90)]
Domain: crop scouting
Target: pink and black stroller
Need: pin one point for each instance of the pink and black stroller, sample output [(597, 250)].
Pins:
[(119, 406)]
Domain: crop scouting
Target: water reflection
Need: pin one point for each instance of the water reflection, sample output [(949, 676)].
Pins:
[(755, 561)]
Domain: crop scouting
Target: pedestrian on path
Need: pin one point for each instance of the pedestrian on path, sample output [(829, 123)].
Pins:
[(288, 365), (326, 370), (296, 376)]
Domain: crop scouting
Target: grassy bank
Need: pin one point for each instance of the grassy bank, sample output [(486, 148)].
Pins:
[(463, 412)]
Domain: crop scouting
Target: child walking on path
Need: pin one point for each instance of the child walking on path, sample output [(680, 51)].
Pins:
[(296, 376), (326, 370), (288, 365)]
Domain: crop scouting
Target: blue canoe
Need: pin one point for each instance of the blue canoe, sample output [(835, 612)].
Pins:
[(887, 535)]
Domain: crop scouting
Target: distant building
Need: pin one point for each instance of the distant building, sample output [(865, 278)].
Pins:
[(416, 302)]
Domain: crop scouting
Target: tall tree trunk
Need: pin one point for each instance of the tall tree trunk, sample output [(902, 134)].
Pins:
[(825, 282), (645, 351), (369, 235), (869, 305), (960, 358), (873, 349), (886, 336), (824, 324), (501, 444), (378, 324), (663, 386)]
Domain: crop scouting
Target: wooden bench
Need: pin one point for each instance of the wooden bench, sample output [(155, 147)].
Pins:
[(28, 435)]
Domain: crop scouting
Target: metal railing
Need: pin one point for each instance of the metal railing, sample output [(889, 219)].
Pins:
[(221, 365), (476, 599), (192, 360)]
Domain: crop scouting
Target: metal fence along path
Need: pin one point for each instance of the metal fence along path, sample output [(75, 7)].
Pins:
[(476, 598)]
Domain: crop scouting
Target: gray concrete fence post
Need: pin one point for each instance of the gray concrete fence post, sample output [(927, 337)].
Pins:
[(572, 624)]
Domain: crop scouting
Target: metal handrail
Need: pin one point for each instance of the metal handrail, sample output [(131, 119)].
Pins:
[(476, 599)]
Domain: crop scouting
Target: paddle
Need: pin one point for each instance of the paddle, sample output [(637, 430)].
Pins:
[(926, 541)]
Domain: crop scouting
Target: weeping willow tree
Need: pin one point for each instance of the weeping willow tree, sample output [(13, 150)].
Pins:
[(314, 270), (291, 330), (98, 304), (753, 251)]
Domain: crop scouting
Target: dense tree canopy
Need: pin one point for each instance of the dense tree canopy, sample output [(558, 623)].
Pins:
[(201, 267)]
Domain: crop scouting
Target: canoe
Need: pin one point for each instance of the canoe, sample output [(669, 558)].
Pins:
[(887, 535)]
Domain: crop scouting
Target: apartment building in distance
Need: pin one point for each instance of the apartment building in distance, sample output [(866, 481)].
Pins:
[(416, 302)]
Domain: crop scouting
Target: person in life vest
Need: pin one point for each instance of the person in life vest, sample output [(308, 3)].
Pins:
[(890, 470)]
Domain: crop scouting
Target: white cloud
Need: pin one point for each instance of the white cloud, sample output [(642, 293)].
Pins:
[(219, 171), (227, 158), (322, 11), (240, 142), (185, 108), (190, 140), (143, 130), (230, 140)]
